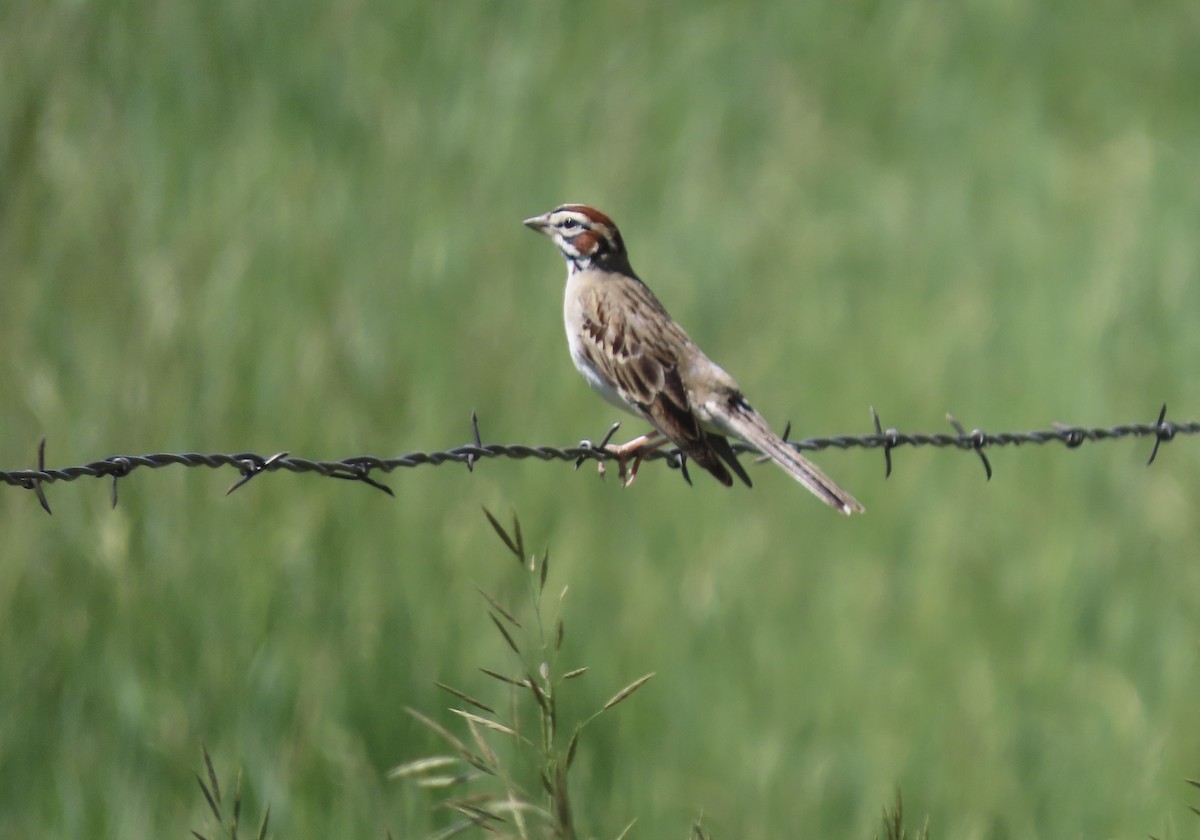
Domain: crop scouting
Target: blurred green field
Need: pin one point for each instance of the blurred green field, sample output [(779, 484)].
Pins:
[(233, 226)]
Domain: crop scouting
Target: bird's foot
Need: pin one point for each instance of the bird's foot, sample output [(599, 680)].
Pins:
[(636, 449)]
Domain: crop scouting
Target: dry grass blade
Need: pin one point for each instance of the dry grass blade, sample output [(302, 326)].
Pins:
[(449, 738), (519, 683), (574, 745), (538, 694), (545, 570), (212, 776), (512, 619), (559, 632), (488, 722), (466, 698), (578, 672), (212, 804), (482, 743), (625, 831), (499, 529), (443, 782), (262, 828), (698, 832), (422, 765), (564, 824), (504, 632), (482, 815), (514, 806), (893, 823), (1193, 782), (237, 807), (626, 691), (520, 540)]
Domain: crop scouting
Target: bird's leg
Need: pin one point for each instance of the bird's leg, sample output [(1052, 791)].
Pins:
[(637, 449)]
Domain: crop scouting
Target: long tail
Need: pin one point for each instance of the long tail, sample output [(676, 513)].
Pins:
[(749, 425)]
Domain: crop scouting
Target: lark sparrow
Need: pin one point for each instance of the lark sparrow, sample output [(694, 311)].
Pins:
[(631, 351)]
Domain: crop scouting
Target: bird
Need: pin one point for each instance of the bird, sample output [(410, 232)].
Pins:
[(634, 354)]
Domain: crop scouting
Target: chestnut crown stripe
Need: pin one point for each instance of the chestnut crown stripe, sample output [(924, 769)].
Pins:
[(583, 231)]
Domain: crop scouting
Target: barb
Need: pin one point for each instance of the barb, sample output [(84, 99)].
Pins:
[(1161, 433), (478, 441), (363, 467), (35, 484), (889, 442), (977, 438), (253, 466)]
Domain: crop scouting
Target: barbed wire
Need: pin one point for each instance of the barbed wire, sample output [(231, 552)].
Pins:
[(361, 467)]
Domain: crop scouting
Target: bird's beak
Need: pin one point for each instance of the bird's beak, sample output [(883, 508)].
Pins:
[(538, 223)]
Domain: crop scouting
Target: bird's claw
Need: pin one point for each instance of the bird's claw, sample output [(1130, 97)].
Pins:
[(635, 451), (625, 474)]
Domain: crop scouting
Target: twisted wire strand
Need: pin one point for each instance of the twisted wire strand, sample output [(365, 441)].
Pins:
[(361, 467)]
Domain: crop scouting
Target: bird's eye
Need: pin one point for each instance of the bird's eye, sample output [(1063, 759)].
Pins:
[(568, 224)]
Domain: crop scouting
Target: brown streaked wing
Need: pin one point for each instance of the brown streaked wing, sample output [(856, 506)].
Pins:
[(682, 427), (619, 317)]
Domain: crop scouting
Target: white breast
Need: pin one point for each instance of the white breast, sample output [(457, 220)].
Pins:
[(573, 321)]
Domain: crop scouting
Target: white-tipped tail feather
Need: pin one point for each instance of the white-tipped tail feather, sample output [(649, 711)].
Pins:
[(745, 423)]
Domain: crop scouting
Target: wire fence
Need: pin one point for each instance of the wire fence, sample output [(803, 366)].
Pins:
[(364, 468)]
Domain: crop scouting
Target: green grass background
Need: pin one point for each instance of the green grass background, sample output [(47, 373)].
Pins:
[(236, 226)]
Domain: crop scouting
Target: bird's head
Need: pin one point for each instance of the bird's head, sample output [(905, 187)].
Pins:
[(585, 236)]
